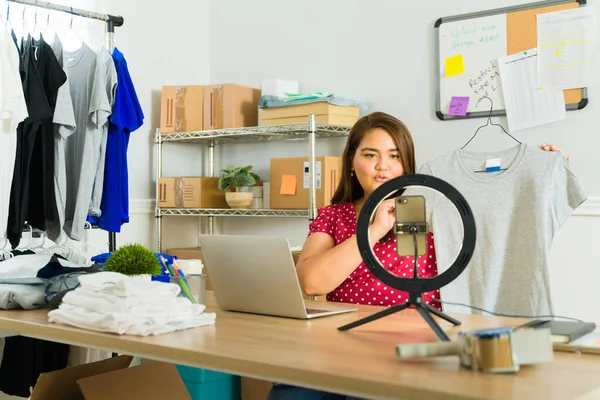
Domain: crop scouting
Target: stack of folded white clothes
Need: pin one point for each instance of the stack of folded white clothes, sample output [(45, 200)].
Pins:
[(133, 305)]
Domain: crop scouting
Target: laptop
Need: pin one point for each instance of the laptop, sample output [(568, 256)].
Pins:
[(256, 274)]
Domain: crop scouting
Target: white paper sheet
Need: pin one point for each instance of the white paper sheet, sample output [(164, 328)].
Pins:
[(566, 43), (526, 104)]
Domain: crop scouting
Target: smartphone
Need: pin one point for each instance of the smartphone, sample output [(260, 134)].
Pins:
[(410, 209)]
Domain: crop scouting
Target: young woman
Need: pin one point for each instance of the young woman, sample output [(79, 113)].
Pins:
[(379, 148)]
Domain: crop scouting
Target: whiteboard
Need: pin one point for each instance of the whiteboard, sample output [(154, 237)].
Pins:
[(481, 41), (481, 38)]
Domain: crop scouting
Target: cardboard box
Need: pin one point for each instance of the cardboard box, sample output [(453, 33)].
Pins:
[(255, 389), (192, 253), (230, 106), (290, 181), (190, 192), (325, 113), (112, 379), (181, 109)]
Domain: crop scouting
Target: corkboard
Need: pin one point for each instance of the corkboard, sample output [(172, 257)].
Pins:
[(457, 34), (521, 27)]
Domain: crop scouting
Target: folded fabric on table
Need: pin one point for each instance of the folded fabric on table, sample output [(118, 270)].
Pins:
[(25, 296), (113, 302), (118, 284), (133, 323)]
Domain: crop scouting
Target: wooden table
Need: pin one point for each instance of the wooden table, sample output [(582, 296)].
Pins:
[(361, 362)]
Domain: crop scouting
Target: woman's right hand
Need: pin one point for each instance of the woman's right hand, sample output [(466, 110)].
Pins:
[(384, 220)]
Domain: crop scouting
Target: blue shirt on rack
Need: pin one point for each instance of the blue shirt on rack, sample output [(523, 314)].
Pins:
[(126, 117)]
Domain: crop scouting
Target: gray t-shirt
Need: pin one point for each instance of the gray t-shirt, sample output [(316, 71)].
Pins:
[(64, 126), (105, 67), (517, 213), (82, 150)]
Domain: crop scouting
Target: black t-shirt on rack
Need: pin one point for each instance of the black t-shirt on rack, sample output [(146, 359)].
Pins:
[(42, 202), (39, 109)]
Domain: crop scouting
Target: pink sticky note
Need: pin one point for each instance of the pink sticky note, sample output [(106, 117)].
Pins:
[(458, 106)]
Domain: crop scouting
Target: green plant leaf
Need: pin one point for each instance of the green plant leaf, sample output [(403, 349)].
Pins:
[(133, 259)]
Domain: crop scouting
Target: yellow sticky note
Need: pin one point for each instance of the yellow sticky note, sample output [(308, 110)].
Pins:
[(455, 65), (288, 185)]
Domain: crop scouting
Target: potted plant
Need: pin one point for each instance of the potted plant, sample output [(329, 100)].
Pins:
[(133, 259), (234, 181)]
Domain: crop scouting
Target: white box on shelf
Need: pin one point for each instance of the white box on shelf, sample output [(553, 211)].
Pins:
[(278, 87), (257, 202), (266, 194), (257, 191)]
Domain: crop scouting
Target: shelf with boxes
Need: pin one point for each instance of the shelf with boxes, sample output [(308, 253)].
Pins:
[(212, 137), (220, 114)]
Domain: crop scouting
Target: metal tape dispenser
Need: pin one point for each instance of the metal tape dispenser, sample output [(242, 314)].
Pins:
[(495, 350)]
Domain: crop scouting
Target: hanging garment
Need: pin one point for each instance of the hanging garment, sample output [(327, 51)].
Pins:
[(13, 110), (106, 68), (39, 109), (127, 116), (25, 359), (64, 126), (42, 201), (517, 213), (82, 151)]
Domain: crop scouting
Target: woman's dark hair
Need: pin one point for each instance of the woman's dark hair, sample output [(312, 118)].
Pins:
[(349, 188)]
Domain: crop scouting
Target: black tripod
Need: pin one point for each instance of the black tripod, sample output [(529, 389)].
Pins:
[(414, 299)]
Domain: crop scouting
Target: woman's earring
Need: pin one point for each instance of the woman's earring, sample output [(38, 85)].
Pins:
[(351, 173)]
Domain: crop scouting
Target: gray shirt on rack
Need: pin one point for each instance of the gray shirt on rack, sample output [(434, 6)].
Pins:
[(64, 126), (517, 212), (82, 151)]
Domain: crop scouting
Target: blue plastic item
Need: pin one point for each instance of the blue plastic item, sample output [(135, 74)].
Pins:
[(222, 389), (204, 384)]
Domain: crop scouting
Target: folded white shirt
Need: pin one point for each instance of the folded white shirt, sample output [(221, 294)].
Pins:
[(143, 324), (105, 303), (122, 285)]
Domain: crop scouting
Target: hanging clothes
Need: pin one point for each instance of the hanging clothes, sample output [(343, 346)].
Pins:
[(106, 67), (64, 126), (13, 110), (517, 211), (39, 110), (127, 116), (42, 201), (25, 359), (82, 151)]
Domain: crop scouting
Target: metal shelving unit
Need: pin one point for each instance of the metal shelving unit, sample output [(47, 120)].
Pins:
[(210, 138)]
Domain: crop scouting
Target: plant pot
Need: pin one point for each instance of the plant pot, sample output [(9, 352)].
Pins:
[(239, 200)]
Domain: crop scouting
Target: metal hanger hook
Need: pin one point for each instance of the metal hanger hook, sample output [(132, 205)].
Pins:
[(491, 105)]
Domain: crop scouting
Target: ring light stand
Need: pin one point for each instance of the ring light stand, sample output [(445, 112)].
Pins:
[(414, 286)]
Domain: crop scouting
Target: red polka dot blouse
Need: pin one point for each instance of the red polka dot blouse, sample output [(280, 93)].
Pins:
[(362, 287)]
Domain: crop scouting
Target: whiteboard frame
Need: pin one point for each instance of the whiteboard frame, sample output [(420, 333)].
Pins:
[(504, 10)]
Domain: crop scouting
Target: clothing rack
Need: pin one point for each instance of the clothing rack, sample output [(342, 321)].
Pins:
[(112, 21)]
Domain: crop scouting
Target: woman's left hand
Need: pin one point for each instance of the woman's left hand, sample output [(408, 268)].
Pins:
[(551, 147)]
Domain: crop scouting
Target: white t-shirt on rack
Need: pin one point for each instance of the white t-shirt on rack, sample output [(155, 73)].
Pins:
[(13, 110)]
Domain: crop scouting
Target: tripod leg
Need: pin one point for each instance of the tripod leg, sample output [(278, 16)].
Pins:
[(374, 317), (442, 315), (436, 328)]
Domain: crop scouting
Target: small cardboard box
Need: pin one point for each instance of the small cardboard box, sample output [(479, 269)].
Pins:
[(181, 109), (190, 192), (290, 181), (112, 379), (230, 106), (325, 113)]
